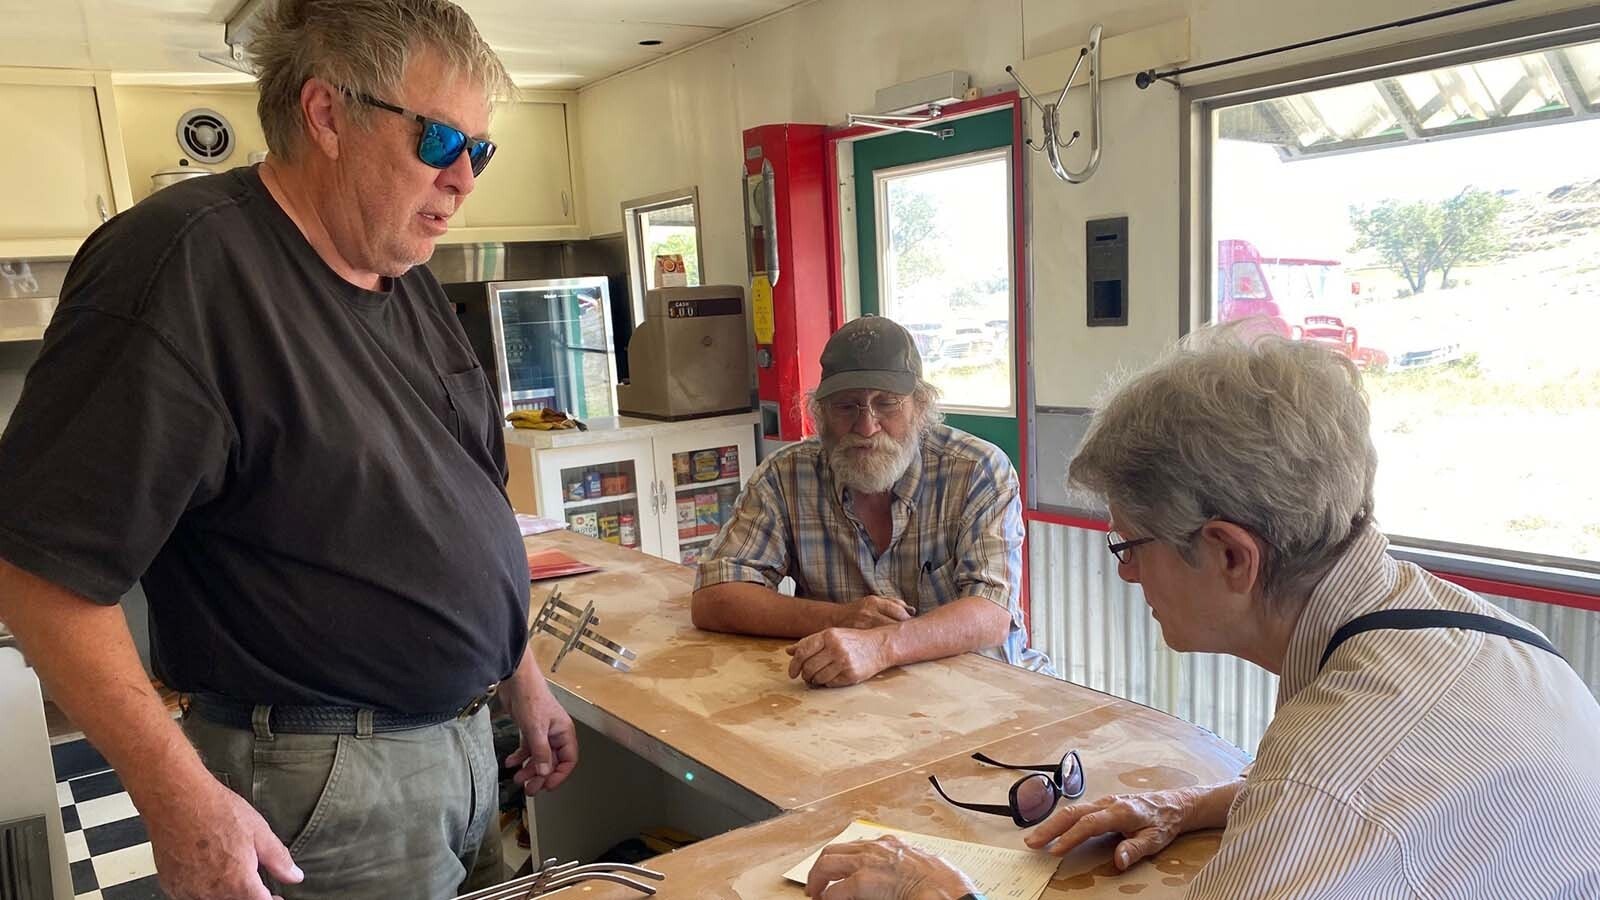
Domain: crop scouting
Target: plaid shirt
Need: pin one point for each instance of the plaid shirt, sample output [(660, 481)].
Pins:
[(957, 532)]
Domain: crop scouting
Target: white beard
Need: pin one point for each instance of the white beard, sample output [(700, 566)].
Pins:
[(877, 470)]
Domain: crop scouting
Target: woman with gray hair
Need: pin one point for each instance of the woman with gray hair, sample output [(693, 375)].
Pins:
[(1425, 743)]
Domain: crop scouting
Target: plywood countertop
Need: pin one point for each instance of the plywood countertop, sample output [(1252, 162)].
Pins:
[(828, 756)]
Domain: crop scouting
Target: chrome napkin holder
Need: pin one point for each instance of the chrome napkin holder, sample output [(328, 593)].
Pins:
[(575, 628)]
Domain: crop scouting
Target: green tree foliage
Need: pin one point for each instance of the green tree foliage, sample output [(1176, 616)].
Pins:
[(1418, 238), (913, 235)]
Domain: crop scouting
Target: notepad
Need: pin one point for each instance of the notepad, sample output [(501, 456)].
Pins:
[(999, 872)]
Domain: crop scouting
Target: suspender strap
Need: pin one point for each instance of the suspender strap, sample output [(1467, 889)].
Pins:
[(1413, 619)]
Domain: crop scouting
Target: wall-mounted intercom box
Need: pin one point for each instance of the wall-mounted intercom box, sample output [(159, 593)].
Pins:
[(1105, 256)]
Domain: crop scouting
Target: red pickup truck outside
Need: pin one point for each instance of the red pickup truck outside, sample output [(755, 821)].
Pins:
[(1306, 299)]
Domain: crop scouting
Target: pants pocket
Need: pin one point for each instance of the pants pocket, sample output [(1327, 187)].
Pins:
[(224, 752), (296, 784)]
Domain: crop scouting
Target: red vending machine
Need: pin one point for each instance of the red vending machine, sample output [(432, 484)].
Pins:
[(786, 244)]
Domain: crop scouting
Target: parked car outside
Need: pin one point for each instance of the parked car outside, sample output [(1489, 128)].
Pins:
[(967, 343), (926, 335)]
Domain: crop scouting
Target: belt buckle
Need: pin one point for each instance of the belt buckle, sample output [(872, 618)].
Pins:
[(477, 703)]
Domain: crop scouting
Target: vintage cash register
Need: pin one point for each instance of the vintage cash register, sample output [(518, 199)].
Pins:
[(691, 356)]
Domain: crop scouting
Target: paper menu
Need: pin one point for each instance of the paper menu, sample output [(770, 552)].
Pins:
[(998, 872)]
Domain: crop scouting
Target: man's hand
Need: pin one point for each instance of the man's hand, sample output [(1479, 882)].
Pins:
[(208, 844), (835, 657), (884, 869), (549, 750), (872, 611)]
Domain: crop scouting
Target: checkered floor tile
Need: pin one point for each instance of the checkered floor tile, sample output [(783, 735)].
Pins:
[(107, 845)]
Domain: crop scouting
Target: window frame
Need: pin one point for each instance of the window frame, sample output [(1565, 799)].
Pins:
[(880, 183), (1569, 581), (633, 236)]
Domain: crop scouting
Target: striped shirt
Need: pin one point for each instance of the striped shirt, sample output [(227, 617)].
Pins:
[(1432, 763), (957, 532)]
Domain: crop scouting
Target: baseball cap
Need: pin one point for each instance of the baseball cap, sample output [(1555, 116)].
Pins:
[(871, 353)]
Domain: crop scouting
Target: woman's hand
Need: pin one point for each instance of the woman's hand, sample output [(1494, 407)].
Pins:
[(1148, 822)]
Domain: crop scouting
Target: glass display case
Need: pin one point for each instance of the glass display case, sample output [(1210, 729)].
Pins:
[(553, 346)]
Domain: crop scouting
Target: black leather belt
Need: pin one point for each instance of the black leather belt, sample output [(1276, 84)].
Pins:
[(232, 713)]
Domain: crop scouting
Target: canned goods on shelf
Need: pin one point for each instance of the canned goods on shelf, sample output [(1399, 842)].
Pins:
[(706, 465)]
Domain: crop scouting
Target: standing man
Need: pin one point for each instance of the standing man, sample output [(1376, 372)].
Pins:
[(903, 535), (255, 401)]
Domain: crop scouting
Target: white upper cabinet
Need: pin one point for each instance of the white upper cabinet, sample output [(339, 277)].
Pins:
[(66, 163), (59, 174), (526, 193)]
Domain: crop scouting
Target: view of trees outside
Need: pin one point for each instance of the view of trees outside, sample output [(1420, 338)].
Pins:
[(1423, 236), (946, 274), (1466, 283)]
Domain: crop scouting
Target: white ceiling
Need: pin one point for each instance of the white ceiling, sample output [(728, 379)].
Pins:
[(556, 44)]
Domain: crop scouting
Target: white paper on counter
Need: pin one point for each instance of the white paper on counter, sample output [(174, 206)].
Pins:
[(531, 525), (998, 872)]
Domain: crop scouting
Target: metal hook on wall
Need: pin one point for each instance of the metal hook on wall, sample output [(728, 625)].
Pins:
[(1050, 113)]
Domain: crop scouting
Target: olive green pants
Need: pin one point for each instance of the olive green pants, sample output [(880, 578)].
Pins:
[(376, 817)]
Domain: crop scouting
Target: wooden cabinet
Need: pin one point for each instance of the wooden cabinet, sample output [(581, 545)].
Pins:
[(64, 165), (527, 191), (61, 166), (663, 487)]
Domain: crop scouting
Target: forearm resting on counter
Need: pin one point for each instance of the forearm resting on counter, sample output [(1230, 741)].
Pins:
[(84, 655), (747, 608), (971, 623)]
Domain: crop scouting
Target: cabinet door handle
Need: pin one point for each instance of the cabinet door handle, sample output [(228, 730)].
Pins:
[(566, 209), (100, 204)]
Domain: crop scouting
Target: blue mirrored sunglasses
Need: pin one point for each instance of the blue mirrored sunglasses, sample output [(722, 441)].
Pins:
[(440, 145)]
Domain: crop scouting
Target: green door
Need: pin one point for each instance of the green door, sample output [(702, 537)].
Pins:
[(944, 265)]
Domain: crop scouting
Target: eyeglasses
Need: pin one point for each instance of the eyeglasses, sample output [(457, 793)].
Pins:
[(1033, 797), (1121, 549), (440, 145), (882, 408)]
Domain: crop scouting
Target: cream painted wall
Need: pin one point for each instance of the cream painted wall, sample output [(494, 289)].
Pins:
[(678, 123), (149, 120)]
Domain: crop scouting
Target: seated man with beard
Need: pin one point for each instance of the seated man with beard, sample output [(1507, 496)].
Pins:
[(903, 535)]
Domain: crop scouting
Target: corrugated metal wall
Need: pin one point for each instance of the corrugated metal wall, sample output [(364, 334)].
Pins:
[(1100, 633)]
